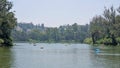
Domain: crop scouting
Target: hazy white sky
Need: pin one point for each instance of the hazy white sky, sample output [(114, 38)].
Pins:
[(59, 12)]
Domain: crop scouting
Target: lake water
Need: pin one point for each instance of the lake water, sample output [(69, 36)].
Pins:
[(25, 55)]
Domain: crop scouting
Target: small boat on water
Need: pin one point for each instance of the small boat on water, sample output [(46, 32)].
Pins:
[(41, 47), (34, 44)]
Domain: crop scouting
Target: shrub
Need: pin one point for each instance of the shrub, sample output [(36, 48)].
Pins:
[(88, 40), (118, 40), (107, 41)]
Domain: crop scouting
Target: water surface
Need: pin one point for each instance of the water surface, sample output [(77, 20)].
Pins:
[(43, 55)]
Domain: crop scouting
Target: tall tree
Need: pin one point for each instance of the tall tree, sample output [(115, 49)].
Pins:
[(110, 16), (97, 28), (106, 27), (7, 22)]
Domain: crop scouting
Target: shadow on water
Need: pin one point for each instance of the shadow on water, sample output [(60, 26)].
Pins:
[(6, 57)]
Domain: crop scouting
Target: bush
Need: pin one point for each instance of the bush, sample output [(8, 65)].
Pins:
[(118, 40), (107, 41), (88, 40), (101, 41)]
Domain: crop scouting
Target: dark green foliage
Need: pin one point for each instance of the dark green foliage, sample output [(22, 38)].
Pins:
[(66, 33), (7, 22), (105, 29), (88, 41)]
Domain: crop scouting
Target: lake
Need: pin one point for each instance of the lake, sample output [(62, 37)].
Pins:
[(45, 55)]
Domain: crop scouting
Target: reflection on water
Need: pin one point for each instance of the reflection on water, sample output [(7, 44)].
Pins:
[(6, 58), (25, 55), (108, 57)]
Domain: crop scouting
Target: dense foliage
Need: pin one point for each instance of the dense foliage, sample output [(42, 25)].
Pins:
[(66, 33), (105, 29), (7, 22)]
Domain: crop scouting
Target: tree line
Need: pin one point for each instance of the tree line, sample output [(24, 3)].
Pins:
[(39, 33), (103, 29)]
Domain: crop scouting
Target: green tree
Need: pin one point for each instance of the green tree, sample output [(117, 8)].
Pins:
[(110, 16), (7, 22), (97, 28), (106, 27)]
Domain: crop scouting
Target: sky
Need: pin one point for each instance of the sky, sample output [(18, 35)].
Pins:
[(54, 13)]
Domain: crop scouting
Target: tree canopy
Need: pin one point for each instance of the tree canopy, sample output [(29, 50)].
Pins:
[(7, 22), (65, 33), (105, 28)]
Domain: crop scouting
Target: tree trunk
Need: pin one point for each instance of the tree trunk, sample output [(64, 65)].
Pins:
[(114, 42), (93, 39)]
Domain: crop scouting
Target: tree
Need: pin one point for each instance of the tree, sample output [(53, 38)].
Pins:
[(97, 28), (7, 22), (110, 16), (106, 27)]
